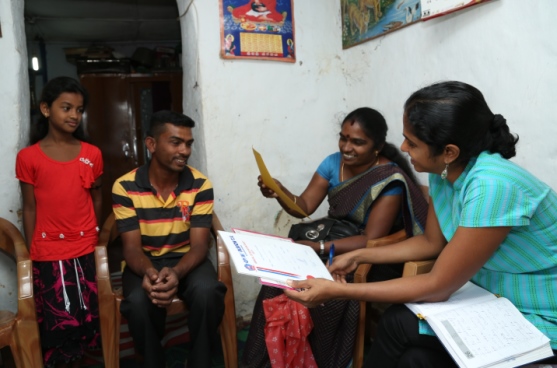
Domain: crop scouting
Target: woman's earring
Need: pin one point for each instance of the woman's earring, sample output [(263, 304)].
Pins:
[(445, 172)]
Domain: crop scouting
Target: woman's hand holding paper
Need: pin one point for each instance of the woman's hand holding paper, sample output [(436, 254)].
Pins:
[(267, 192), (311, 292)]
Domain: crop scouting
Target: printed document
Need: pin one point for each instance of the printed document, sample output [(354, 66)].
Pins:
[(273, 259)]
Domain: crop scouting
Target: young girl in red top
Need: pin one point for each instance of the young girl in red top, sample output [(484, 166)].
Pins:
[(60, 176)]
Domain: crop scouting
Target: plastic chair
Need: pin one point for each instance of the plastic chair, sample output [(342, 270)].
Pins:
[(110, 298), (20, 331)]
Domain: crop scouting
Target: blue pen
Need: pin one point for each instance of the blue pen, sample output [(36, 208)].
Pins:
[(331, 253)]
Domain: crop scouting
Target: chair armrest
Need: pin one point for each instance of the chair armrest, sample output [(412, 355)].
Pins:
[(13, 241), (104, 283), (386, 240), (361, 272), (25, 301), (24, 264), (108, 231), (360, 275), (14, 244), (101, 263), (216, 225), (223, 258), (413, 268)]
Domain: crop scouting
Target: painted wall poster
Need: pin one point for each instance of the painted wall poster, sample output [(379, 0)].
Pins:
[(363, 20), (257, 29)]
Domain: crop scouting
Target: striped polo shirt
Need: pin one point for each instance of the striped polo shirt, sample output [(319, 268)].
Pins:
[(164, 225), (493, 191)]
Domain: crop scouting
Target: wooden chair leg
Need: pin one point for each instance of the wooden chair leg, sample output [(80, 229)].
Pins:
[(116, 335), (358, 357), (16, 355), (28, 344), (229, 339)]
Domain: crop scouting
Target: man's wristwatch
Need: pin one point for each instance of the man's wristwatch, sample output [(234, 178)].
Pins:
[(321, 247)]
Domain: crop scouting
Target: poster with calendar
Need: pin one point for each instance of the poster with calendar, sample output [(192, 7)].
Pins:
[(436, 8), (257, 29)]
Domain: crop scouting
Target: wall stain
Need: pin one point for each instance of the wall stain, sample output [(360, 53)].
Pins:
[(283, 222)]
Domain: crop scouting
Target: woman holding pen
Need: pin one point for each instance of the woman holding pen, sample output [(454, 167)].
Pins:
[(490, 222), (383, 197)]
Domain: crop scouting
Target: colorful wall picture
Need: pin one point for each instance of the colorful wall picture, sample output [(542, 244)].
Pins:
[(363, 20), (257, 29), (436, 8)]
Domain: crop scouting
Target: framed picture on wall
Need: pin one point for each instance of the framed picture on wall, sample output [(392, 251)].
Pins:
[(436, 8), (364, 20), (257, 29)]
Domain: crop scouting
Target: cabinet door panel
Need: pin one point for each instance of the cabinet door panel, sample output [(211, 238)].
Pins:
[(117, 118), (108, 121)]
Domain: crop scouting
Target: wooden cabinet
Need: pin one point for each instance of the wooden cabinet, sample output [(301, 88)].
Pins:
[(117, 118)]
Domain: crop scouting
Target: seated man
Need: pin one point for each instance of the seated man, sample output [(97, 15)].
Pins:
[(163, 212)]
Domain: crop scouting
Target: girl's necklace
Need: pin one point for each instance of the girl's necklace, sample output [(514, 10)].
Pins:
[(342, 168)]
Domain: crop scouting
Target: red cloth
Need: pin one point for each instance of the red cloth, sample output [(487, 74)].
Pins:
[(286, 330), (271, 5), (66, 226)]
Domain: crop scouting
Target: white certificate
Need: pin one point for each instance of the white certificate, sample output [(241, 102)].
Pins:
[(273, 259)]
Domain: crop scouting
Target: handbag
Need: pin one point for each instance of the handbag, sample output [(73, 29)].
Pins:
[(325, 229)]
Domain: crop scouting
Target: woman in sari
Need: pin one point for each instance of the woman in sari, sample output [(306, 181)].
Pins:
[(490, 222), (369, 183)]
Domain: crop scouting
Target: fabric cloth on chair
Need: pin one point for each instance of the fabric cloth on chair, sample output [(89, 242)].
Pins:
[(286, 331)]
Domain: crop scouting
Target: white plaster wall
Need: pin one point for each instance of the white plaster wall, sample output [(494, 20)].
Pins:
[(506, 48), (290, 112), (14, 125), (192, 91)]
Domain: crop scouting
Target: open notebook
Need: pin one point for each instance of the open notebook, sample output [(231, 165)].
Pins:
[(480, 329)]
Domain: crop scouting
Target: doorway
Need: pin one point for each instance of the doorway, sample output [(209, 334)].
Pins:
[(121, 52), (118, 116)]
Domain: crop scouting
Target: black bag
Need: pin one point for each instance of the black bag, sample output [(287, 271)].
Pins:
[(325, 229)]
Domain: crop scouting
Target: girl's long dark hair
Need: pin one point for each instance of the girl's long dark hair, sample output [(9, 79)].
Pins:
[(375, 127), (457, 113), (53, 89)]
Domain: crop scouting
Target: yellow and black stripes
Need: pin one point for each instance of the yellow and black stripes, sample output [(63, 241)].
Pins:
[(164, 225)]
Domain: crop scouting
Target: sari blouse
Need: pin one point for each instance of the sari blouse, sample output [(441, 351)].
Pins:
[(353, 199)]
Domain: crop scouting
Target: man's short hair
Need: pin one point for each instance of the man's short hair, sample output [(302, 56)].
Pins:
[(162, 117)]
